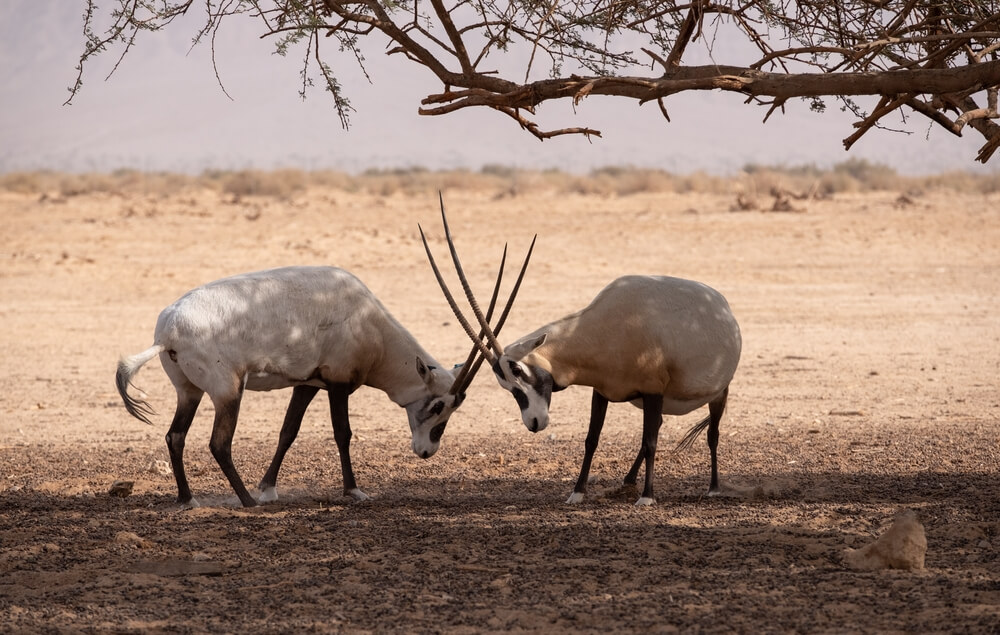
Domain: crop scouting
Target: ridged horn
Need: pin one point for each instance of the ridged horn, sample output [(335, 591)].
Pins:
[(451, 301), (475, 358)]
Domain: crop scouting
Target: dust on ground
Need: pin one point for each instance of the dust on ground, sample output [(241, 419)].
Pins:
[(868, 386)]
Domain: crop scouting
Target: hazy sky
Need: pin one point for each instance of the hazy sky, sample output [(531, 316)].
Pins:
[(163, 110)]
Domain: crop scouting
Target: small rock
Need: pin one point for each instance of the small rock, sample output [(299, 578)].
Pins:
[(121, 489), (159, 467), (902, 546), (129, 539)]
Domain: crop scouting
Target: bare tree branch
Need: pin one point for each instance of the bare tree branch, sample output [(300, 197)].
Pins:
[(938, 58)]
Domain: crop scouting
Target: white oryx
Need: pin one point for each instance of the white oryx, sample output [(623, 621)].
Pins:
[(309, 328), (667, 345)]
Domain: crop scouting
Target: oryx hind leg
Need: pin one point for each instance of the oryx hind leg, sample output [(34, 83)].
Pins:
[(227, 411), (188, 399), (633, 472), (715, 410), (302, 396)]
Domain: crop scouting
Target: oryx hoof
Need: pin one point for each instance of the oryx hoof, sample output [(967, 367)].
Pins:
[(357, 494), (191, 503)]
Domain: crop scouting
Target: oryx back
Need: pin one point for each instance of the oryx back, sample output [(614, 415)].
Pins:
[(645, 335), (276, 328)]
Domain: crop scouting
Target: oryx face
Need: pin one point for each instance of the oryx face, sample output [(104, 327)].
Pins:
[(428, 415), (531, 387)]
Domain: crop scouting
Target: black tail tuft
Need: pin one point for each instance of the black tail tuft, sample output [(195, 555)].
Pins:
[(692, 435)]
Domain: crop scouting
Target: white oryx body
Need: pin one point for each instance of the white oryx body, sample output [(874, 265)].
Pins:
[(290, 326), (310, 328)]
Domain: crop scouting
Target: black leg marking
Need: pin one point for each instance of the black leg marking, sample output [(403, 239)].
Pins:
[(633, 473), (302, 396), (652, 418), (715, 410), (226, 414), (598, 410), (183, 416), (339, 394)]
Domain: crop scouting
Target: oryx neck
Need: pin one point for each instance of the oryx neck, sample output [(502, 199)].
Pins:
[(395, 371)]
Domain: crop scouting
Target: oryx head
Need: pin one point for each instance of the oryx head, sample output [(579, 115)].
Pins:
[(429, 414), (531, 386)]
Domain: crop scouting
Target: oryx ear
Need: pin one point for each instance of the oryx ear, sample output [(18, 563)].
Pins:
[(425, 371), (538, 342), (518, 350)]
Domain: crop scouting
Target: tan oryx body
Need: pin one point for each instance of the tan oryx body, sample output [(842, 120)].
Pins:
[(309, 328), (642, 335), (667, 345)]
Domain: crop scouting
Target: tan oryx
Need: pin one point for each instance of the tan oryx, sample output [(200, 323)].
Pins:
[(667, 345), (309, 328)]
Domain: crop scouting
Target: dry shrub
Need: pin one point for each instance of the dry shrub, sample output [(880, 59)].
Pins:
[(853, 175), (628, 181), (28, 182), (961, 182), (333, 180), (703, 183), (870, 176), (280, 184), (119, 182)]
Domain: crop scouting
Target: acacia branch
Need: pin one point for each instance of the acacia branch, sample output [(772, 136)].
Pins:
[(933, 57)]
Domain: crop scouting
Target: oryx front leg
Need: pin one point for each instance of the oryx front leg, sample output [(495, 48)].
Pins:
[(227, 411), (302, 396), (598, 411), (339, 394), (652, 418)]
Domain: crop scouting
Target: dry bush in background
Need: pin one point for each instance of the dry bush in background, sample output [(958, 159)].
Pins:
[(285, 184)]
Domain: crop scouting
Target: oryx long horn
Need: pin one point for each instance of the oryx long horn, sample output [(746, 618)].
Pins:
[(494, 344), (475, 358), (451, 301), (510, 301)]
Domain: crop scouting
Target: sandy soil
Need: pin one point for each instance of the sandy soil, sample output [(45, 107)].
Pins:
[(868, 386)]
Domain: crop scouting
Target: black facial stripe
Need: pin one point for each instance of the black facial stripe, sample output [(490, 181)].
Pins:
[(425, 413), (543, 385), (520, 398), (437, 431)]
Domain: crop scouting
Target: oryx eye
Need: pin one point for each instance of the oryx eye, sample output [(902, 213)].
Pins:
[(437, 407), (515, 369)]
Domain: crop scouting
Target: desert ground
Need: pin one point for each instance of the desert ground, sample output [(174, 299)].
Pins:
[(868, 386)]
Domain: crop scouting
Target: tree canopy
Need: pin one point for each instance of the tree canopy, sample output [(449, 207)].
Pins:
[(939, 59)]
